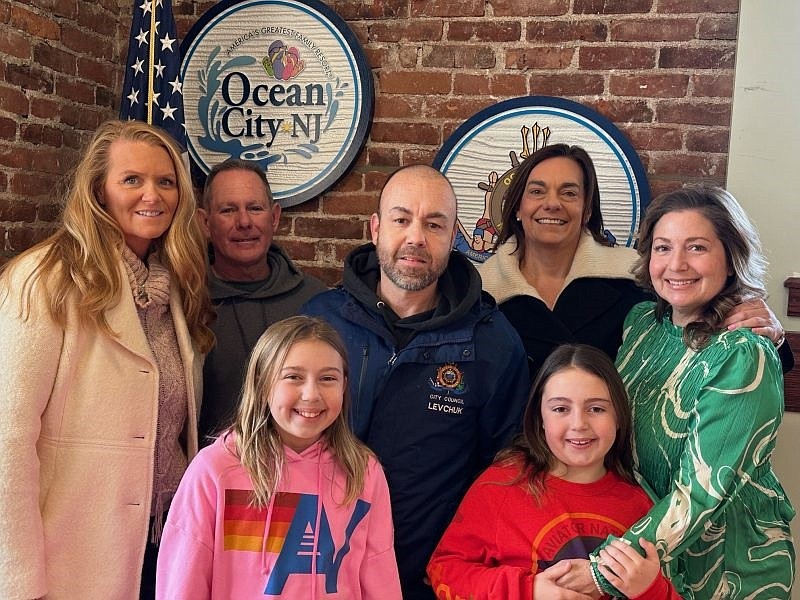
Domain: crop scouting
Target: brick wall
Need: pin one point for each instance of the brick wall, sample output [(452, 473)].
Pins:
[(662, 70)]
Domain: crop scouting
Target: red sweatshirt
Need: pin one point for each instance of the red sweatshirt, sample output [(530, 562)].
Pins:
[(500, 537)]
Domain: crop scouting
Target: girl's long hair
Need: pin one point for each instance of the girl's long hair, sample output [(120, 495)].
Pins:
[(83, 256), (256, 437), (743, 255), (530, 450)]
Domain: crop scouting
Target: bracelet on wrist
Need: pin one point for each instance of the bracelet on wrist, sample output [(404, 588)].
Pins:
[(594, 577), (780, 341)]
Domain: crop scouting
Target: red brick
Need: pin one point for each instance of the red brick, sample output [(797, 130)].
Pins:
[(350, 204), (36, 133), (3, 187), (460, 57), (105, 97), (352, 182), (100, 72), (708, 140), (698, 6), (718, 27), (466, 84), (409, 133), (610, 7), (14, 44), (55, 58), (60, 8), (29, 78), (697, 58), (17, 210), (411, 31), (14, 101), (383, 156), (371, 9), (408, 56), (374, 180), (492, 31), (529, 8), (567, 84), (447, 8), (616, 57), (73, 89), (654, 30), (694, 113), (8, 129), (93, 17), (586, 30), (438, 107), (410, 82), (50, 212), (24, 238), (623, 111), (419, 156), (298, 250), (46, 108), (342, 249), (5, 12), (653, 137), (34, 23), (390, 106), (85, 42), (329, 228), (539, 57), (649, 85), (713, 84), (32, 185), (687, 164), (330, 276)]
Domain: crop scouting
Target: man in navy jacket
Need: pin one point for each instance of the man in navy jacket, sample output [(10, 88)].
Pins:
[(438, 377)]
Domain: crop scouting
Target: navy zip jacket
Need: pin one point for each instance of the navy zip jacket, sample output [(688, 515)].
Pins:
[(435, 410)]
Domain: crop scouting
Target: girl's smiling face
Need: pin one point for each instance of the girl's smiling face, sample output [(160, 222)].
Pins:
[(580, 424), (308, 394)]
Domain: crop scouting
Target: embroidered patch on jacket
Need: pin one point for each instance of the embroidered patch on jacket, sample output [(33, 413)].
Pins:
[(449, 378)]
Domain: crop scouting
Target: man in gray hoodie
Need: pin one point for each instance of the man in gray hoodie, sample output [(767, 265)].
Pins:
[(252, 281)]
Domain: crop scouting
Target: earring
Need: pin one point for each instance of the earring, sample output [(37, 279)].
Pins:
[(519, 220)]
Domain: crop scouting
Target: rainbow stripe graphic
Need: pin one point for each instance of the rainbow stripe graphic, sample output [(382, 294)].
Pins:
[(244, 524)]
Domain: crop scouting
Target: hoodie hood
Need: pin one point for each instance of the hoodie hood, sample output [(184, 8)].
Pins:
[(459, 287), (283, 277)]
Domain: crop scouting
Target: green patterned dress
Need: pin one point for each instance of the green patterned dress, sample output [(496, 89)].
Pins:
[(704, 430)]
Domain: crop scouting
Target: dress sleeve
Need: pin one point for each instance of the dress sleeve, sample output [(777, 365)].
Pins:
[(32, 347), (186, 552), (732, 425), (464, 564), (378, 575)]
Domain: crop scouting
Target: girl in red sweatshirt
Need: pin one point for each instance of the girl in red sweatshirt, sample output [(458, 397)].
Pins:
[(563, 487)]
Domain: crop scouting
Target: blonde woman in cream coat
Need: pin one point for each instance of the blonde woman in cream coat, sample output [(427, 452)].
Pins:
[(103, 328)]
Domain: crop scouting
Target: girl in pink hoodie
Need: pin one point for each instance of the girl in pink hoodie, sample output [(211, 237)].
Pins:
[(287, 503)]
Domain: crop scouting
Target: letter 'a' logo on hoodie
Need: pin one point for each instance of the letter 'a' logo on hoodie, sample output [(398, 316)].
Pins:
[(295, 548)]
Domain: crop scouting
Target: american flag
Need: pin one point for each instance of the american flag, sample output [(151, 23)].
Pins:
[(153, 89)]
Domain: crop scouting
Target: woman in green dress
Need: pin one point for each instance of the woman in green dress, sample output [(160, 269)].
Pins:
[(706, 406)]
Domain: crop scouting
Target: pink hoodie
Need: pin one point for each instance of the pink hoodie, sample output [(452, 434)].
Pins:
[(215, 545)]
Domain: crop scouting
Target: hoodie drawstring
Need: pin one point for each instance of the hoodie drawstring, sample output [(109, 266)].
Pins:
[(316, 528)]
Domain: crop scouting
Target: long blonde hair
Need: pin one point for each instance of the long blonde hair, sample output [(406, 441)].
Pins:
[(258, 442), (83, 256)]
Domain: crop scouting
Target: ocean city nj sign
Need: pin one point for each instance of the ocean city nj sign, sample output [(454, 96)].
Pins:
[(481, 156), (282, 83)]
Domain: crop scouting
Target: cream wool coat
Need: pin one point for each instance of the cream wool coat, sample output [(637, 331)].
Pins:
[(77, 439)]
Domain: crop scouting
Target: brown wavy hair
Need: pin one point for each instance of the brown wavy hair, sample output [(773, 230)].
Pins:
[(530, 450), (743, 254)]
